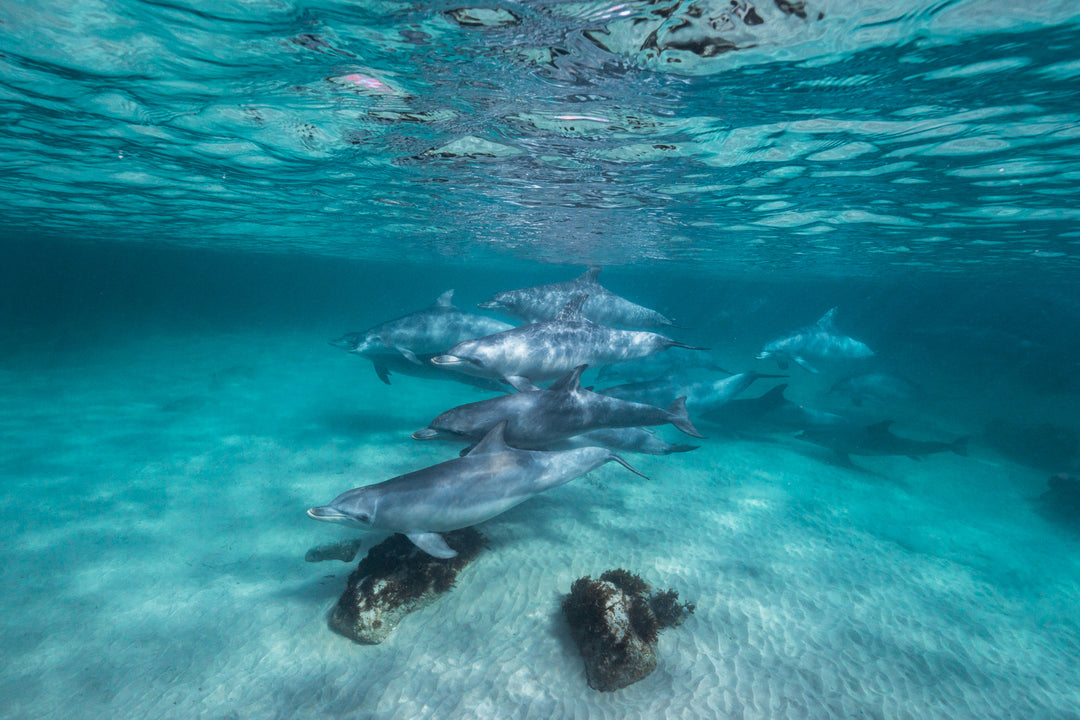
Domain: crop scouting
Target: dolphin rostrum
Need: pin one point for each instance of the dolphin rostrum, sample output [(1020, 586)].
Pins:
[(536, 417), (461, 492), (819, 340), (543, 302), (426, 331), (547, 350)]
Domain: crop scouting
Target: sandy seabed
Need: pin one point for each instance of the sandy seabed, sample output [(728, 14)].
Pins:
[(153, 540)]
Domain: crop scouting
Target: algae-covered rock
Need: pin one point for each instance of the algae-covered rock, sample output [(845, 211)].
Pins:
[(615, 622), (396, 578)]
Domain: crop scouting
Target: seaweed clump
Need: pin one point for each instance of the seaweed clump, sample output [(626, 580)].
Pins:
[(616, 621), (396, 578)]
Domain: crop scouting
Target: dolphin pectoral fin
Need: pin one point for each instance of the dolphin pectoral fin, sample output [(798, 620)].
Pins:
[(433, 544), (628, 466), (408, 355), (382, 371), (801, 362), (521, 383)]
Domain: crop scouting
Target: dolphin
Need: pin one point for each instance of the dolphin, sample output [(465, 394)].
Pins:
[(537, 418), (461, 492), (772, 412), (853, 439), (543, 302), (675, 362), (426, 331), (877, 388), (385, 365), (633, 439), (547, 350), (819, 340), (701, 395)]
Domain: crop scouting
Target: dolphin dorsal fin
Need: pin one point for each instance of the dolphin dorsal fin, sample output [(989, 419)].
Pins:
[(571, 311), (589, 276), (569, 382), (775, 396), (826, 320), (446, 300), (880, 428), (493, 442)]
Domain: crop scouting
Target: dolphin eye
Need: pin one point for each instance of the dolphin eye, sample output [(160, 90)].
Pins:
[(363, 517)]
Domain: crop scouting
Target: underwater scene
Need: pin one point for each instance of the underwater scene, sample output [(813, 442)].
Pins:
[(649, 359)]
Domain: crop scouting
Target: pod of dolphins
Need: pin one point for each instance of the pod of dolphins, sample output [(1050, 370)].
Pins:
[(535, 439)]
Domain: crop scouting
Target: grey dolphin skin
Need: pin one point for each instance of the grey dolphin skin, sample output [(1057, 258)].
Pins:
[(547, 350), (701, 395), (634, 439), (461, 492), (819, 340), (536, 418), (877, 388), (772, 412), (877, 439), (426, 331), (385, 365), (543, 302)]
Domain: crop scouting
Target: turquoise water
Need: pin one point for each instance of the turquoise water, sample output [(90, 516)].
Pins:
[(195, 200)]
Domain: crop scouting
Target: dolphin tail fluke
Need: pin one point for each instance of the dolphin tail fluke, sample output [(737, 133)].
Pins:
[(628, 466), (960, 446), (680, 418)]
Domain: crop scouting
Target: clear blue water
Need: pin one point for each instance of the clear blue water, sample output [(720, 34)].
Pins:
[(194, 199)]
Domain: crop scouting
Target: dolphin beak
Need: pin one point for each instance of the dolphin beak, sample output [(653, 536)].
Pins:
[(489, 305), (446, 360), (342, 343), (327, 514), (426, 434)]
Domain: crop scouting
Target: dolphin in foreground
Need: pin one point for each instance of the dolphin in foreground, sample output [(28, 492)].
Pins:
[(820, 340), (543, 302), (461, 492), (877, 439), (426, 331), (535, 418), (547, 350)]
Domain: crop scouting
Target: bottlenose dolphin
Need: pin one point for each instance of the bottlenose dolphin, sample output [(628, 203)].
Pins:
[(877, 388), (772, 412), (461, 492), (547, 350), (543, 302), (819, 340), (426, 331), (853, 439), (701, 395), (635, 439), (536, 417), (385, 365)]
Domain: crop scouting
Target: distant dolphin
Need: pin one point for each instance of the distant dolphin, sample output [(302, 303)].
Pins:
[(819, 340), (547, 350), (876, 388), (701, 395), (461, 492), (536, 417), (426, 331), (772, 412), (876, 439), (543, 302)]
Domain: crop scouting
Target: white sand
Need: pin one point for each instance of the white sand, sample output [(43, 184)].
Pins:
[(153, 535)]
